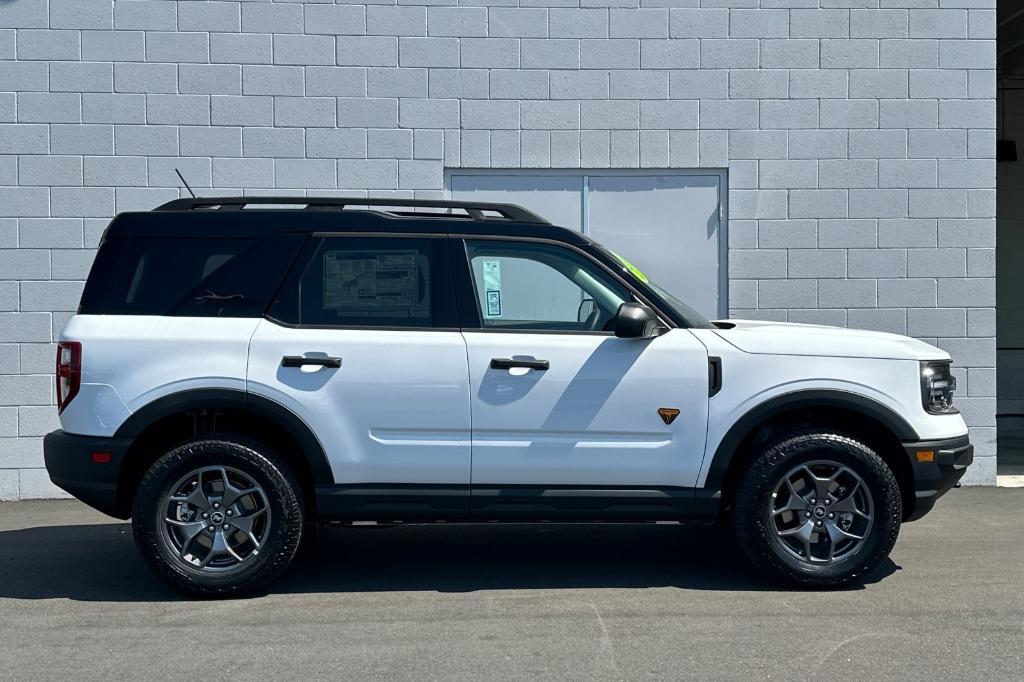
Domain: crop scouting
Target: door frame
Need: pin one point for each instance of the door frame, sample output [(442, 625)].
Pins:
[(586, 173)]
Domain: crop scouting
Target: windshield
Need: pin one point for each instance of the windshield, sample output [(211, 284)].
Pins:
[(677, 307)]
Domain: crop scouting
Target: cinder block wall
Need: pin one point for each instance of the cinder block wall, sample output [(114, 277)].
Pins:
[(858, 136)]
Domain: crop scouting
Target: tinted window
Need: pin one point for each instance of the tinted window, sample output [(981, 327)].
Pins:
[(97, 286), (199, 277), (528, 285), (363, 282)]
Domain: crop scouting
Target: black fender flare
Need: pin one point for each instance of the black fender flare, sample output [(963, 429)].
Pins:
[(846, 400), (213, 398)]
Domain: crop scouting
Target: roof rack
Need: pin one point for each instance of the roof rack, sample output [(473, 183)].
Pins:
[(475, 210)]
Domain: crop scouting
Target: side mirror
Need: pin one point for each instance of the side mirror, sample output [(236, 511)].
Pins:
[(636, 321)]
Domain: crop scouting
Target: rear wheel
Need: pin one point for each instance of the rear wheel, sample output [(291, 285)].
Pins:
[(818, 509), (218, 516)]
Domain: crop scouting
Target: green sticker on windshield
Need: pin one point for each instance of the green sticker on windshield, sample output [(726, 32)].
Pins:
[(633, 270)]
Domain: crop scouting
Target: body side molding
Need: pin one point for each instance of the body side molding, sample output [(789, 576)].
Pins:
[(428, 502)]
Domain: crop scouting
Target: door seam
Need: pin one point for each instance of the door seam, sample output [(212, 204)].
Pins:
[(469, 397)]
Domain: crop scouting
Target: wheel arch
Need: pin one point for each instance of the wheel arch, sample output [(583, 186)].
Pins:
[(174, 418), (859, 416)]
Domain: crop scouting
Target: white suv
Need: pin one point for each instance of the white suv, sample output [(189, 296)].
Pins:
[(232, 375)]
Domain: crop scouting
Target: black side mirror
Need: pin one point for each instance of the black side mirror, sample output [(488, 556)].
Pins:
[(636, 321)]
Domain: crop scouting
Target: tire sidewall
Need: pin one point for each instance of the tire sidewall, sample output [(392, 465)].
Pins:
[(255, 461)]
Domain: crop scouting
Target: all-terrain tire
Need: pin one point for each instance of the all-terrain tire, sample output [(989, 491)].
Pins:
[(264, 467), (753, 501)]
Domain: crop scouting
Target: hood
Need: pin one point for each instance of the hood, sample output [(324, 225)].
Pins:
[(788, 338)]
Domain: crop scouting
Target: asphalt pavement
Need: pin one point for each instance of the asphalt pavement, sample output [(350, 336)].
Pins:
[(518, 602)]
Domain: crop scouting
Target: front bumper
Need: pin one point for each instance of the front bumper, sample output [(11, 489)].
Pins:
[(69, 461), (932, 479)]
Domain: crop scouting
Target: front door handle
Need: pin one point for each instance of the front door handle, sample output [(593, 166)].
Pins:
[(300, 360), (509, 363)]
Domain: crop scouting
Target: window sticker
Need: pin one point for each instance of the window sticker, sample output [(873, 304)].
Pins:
[(492, 288), (368, 279)]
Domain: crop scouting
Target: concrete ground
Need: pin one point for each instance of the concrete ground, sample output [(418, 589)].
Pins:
[(482, 602)]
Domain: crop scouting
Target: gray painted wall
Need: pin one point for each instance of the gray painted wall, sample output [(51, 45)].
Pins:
[(858, 137)]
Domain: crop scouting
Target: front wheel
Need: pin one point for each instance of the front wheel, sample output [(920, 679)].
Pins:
[(218, 517), (817, 509)]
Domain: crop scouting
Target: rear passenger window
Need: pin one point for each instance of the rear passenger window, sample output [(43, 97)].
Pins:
[(199, 277), (363, 282)]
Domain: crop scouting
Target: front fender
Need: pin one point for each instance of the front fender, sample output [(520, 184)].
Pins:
[(723, 445)]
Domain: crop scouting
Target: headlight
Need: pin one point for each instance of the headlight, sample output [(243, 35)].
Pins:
[(937, 386)]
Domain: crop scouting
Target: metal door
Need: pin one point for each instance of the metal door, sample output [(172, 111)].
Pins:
[(669, 223)]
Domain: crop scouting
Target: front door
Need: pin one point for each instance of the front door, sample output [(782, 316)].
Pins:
[(363, 344), (567, 418)]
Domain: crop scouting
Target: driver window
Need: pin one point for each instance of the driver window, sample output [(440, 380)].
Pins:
[(535, 286)]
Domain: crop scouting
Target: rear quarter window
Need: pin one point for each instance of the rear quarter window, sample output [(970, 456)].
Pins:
[(190, 277)]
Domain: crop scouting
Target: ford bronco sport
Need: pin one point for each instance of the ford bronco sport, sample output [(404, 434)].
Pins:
[(242, 367)]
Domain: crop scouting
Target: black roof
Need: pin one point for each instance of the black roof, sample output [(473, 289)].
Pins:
[(253, 217)]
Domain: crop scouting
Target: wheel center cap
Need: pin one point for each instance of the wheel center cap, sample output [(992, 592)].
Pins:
[(217, 517), (819, 512)]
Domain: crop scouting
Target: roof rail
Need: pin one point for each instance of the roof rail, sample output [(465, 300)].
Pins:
[(475, 210)]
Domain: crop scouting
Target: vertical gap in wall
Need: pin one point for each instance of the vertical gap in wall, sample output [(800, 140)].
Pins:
[(723, 244), (585, 205)]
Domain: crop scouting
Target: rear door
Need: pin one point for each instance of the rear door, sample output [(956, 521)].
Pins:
[(566, 420), (363, 344)]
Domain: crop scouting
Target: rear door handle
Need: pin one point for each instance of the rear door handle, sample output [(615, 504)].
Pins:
[(509, 363), (300, 360)]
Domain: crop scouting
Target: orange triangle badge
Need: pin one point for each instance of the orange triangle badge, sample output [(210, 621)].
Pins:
[(668, 414)]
